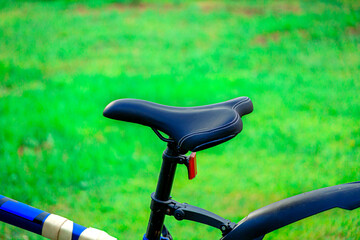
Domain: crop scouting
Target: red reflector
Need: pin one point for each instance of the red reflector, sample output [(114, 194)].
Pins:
[(192, 168)]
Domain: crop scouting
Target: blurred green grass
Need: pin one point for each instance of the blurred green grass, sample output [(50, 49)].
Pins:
[(62, 62)]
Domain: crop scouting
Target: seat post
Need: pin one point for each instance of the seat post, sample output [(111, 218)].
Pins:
[(162, 193)]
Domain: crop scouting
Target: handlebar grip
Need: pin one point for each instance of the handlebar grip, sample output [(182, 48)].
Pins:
[(48, 225)]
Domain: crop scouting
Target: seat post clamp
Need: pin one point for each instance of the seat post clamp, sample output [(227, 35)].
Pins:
[(180, 159), (166, 207)]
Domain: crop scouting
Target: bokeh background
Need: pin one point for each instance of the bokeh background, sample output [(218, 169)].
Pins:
[(62, 62)]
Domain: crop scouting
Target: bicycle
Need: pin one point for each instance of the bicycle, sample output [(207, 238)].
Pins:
[(189, 129)]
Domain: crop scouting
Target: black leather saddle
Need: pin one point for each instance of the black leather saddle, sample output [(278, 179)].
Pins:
[(190, 128)]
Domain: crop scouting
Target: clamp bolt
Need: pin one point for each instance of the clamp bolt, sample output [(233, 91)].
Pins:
[(179, 214)]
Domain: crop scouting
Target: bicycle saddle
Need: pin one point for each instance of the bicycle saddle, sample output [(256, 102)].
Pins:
[(190, 128)]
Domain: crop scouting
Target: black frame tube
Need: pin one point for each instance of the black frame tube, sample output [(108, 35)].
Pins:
[(293, 209), (163, 190)]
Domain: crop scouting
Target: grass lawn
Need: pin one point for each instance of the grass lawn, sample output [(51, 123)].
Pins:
[(61, 63)]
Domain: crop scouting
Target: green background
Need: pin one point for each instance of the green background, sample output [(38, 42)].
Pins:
[(62, 62)]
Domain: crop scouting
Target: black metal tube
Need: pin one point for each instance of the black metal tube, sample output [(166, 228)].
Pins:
[(163, 190), (293, 209)]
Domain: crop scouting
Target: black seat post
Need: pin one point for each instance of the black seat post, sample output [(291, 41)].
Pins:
[(167, 173)]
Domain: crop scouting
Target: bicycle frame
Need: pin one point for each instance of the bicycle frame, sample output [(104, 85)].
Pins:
[(257, 223), (253, 227)]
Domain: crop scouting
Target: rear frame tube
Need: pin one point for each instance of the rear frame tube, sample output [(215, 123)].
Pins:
[(290, 210)]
